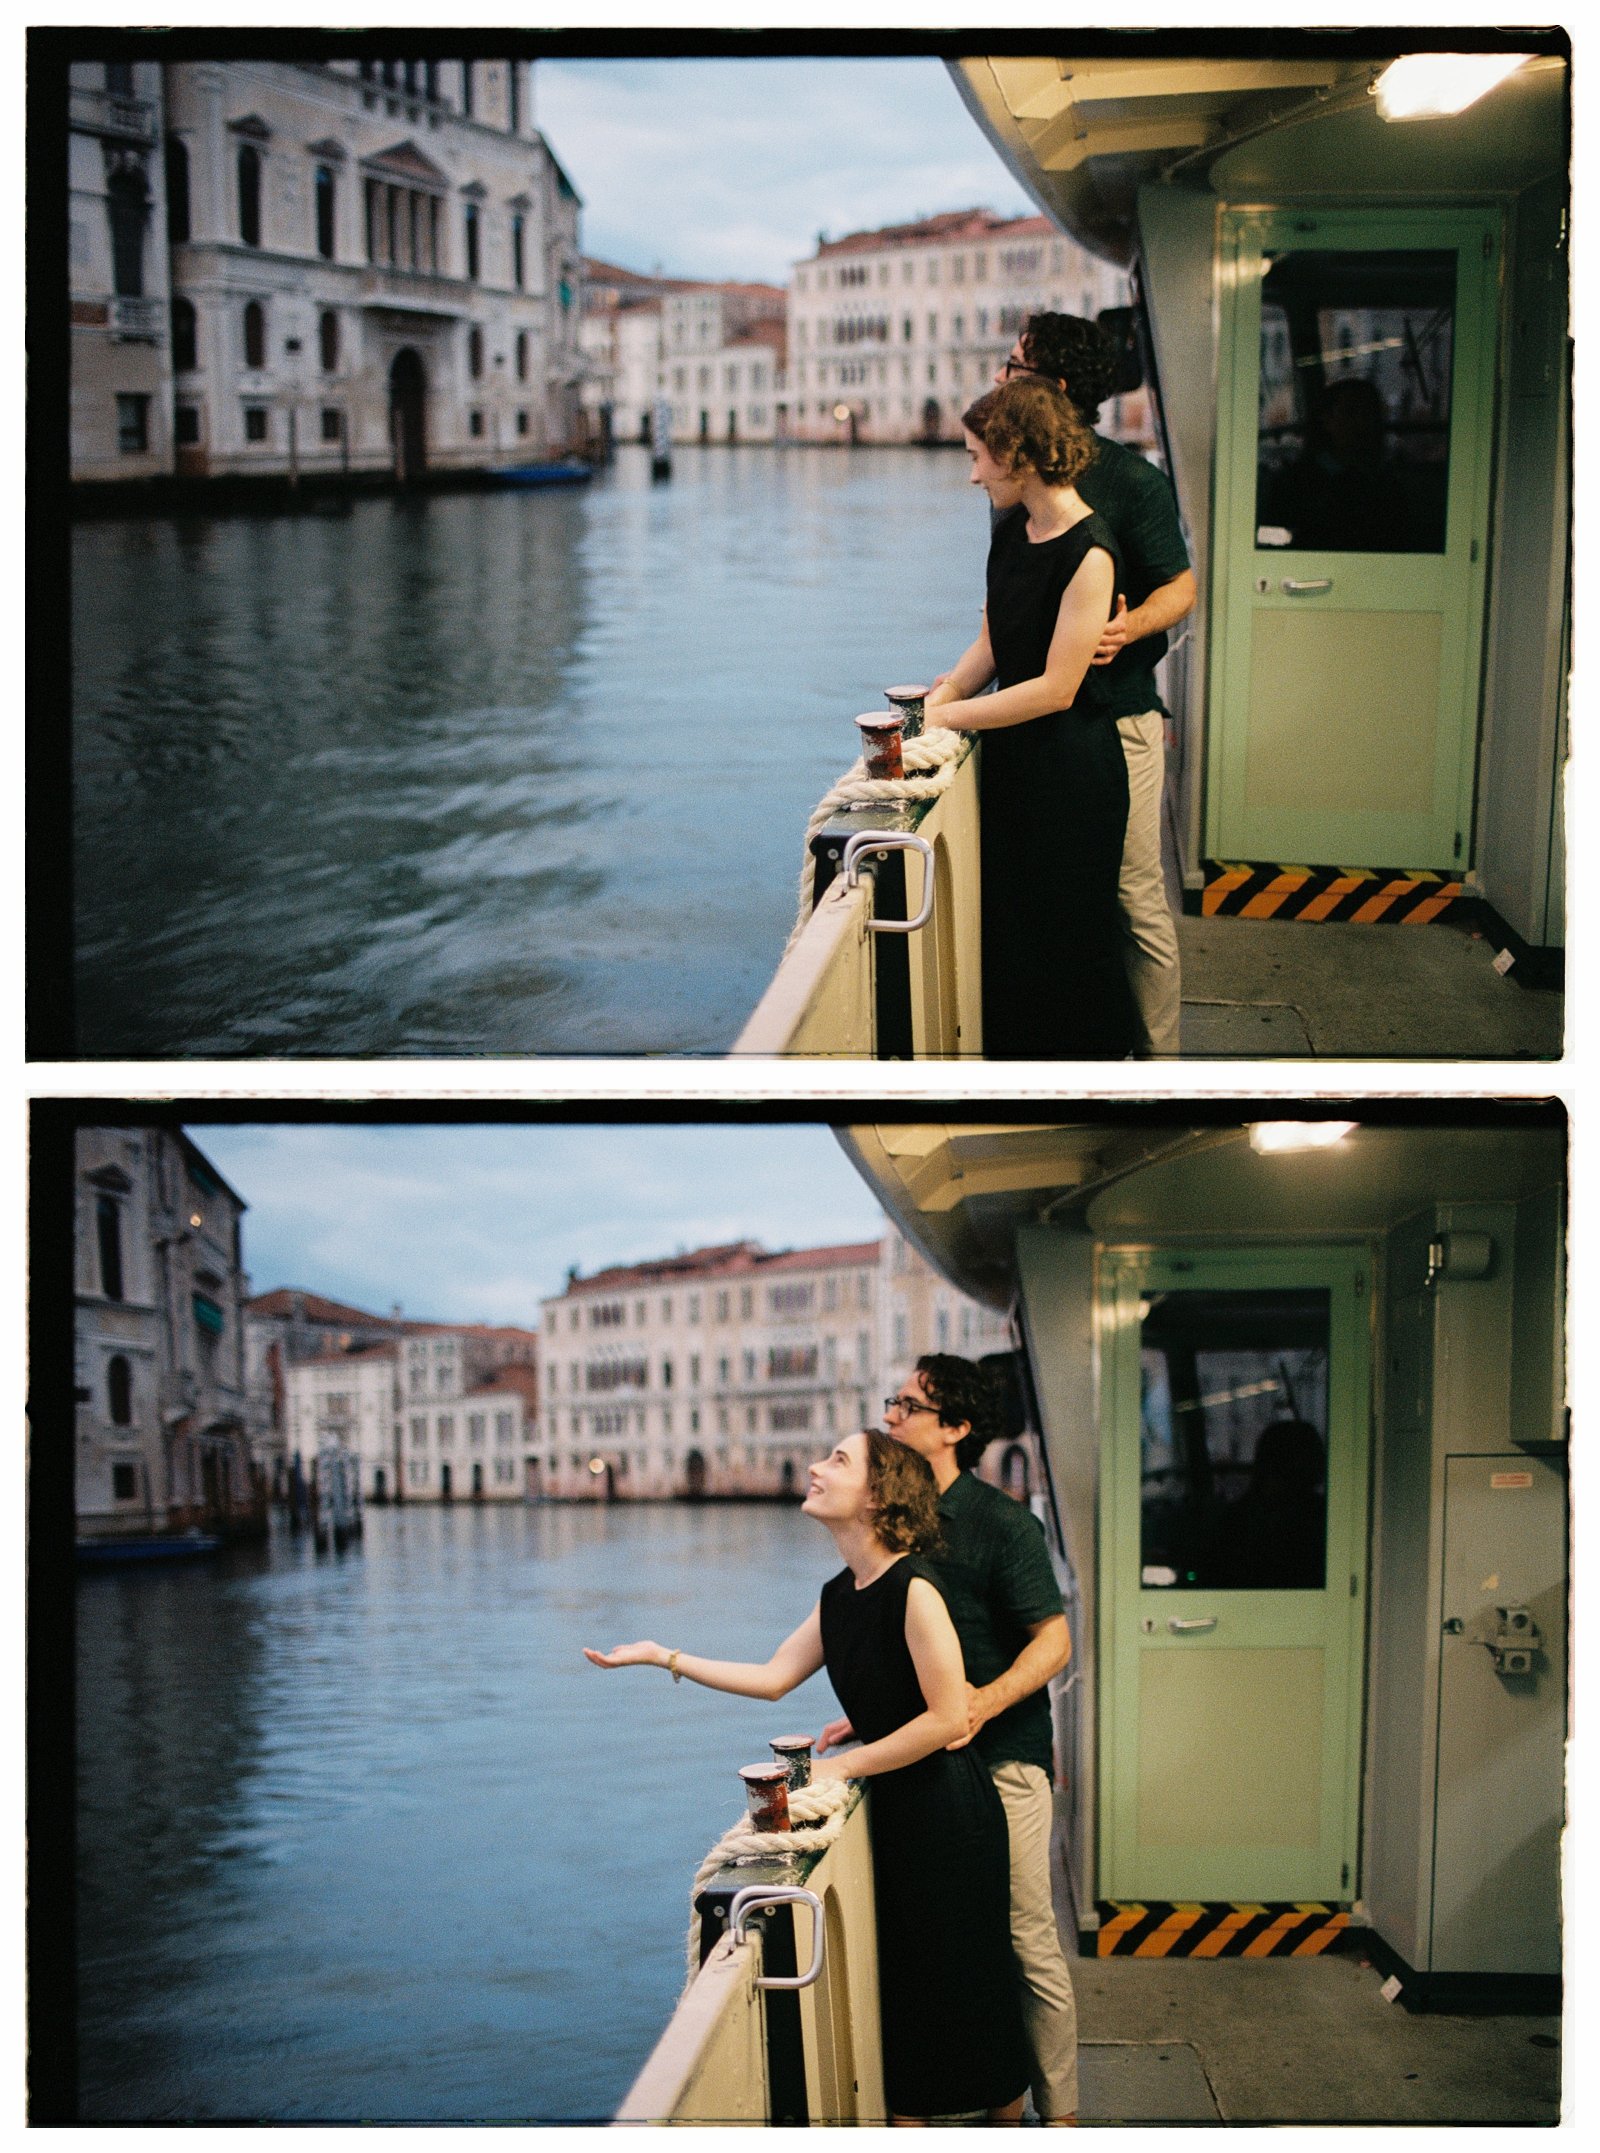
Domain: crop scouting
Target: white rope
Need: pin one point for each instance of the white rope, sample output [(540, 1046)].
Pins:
[(930, 764), (823, 1804)]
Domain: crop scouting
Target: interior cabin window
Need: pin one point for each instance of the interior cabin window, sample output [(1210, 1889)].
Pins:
[(250, 194), (1353, 428), (1233, 1439)]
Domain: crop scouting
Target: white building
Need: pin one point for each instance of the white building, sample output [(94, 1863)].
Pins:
[(894, 332), (159, 1282), (117, 258), (722, 360), (284, 1327), (348, 1399), (374, 268)]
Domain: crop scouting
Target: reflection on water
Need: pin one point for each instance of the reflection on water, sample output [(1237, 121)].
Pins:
[(497, 773), (366, 1837)]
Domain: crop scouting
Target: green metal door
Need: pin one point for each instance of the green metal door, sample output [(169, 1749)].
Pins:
[(1354, 423), (1233, 1573)]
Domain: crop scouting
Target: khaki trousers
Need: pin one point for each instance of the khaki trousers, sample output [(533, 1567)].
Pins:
[(1149, 933), (1048, 2008)]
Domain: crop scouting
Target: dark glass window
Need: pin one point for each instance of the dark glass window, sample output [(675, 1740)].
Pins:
[(475, 422), (328, 339), (249, 194), (472, 240), (515, 94), (108, 1232), (389, 67), (133, 424), (186, 426), (255, 422), (467, 88), (128, 208), (1353, 432), (372, 220), (522, 354), (522, 422), (119, 78), (332, 423), (325, 202), (1234, 1417), (411, 77), (475, 351), (516, 250), (124, 1482), (119, 1389), (177, 191), (255, 334), (183, 337), (432, 67)]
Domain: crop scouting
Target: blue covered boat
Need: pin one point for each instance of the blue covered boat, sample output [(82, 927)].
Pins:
[(566, 471)]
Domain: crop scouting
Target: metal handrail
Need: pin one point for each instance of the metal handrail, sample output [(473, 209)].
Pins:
[(890, 841), (764, 1897)]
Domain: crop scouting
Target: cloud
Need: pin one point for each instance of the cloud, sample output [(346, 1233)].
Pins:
[(478, 1222)]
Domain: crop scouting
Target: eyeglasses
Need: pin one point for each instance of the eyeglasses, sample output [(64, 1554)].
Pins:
[(1013, 367), (908, 1405)]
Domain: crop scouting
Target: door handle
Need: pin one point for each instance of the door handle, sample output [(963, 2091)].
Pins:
[(1184, 1625), (866, 841), (1296, 589)]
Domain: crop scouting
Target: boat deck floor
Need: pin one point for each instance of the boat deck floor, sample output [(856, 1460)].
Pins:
[(1286, 989)]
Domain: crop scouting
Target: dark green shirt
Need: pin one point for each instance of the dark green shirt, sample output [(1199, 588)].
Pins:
[(994, 1570), (1138, 502)]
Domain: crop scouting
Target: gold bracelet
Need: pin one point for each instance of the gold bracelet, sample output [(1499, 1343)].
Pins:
[(672, 1666)]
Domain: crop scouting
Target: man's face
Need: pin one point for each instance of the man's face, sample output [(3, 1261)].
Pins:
[(913, 1420)]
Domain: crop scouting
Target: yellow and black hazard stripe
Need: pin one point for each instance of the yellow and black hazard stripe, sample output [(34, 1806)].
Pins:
[(1405, 896), (1193, 1929)]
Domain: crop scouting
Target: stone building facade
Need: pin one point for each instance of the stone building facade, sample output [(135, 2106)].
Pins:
[(281, 1329), (373, 267), (161, 1440), (120, 411), (894, 332)]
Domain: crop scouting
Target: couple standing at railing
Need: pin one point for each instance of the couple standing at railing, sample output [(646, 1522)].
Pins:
[(1087, 571), (939, 1637)]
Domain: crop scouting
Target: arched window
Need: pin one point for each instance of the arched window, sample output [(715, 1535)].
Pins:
[(472, 240), (108, 1232), (119, 1390), (475, 351), (255, 334), (128, 208), (177, 191), (325, 211), (249, 194), (183, 337), (522, 354), (328, 334)]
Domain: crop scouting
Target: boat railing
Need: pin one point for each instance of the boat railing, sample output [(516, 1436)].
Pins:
[(780, 2022), (887, 967)]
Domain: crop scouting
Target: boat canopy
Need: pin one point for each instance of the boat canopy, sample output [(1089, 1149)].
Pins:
[(1084, 134)]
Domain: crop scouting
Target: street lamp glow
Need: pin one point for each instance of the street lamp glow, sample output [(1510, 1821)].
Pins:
[(841, 412), (1429, 85), (1268, 1136), (597, 1465)]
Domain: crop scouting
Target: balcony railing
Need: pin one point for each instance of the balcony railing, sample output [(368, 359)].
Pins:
[(847, 987), (737, 2052), (130, 119)]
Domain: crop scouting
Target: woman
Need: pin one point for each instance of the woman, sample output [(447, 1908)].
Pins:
[(1053, 789), (953, 2038)]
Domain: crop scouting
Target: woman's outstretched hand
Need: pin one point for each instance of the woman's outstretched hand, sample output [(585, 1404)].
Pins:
[(644, 1654), (836, 1731)]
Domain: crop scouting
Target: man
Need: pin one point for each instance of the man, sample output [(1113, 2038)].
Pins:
[(1137, 501), (1003, 1598)]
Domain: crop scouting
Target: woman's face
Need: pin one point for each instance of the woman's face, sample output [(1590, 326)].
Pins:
[(1003, 489), (836, 1486)]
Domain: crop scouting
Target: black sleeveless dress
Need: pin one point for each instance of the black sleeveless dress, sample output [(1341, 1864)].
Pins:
[(1053, 800), (953, 2037)]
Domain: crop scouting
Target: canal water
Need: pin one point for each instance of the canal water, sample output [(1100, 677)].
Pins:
[(493, 773), (365, 1837)]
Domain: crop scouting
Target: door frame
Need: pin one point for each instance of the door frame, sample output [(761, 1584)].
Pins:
[(1478, 231), (1348, 1270)]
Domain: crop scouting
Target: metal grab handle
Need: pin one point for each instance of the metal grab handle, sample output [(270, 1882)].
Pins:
[(890, 841), (766, 1896), (1299, 590), (1180, 1624)]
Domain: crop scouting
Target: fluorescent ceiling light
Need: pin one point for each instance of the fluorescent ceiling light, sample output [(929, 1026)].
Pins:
[(1427, 85), (1297, 1135)]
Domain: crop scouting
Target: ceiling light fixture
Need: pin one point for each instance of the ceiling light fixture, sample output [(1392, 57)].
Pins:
[(1430, 85), (1268, 1136)]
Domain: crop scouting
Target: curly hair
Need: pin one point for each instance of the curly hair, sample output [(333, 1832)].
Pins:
[(1031, 424), (905, 1495), (1075, 352), (959, 1390)]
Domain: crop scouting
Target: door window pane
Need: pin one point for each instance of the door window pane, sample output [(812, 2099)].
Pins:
[(1353, 426), (1233, 1439)]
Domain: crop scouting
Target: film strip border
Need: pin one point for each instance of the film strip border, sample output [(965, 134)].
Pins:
[(1403, 896), (1190, 1930)]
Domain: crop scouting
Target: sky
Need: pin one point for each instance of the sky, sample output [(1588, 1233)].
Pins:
[(478, 1223), (730, 168)]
